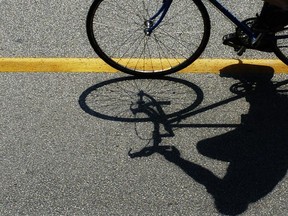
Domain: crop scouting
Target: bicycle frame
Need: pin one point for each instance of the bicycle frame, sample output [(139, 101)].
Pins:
[(233, 19), (246, 29)]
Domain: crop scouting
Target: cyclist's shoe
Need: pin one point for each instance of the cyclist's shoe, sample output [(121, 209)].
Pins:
[(233, 40)]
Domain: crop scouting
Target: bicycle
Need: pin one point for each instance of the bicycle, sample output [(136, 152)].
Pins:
[(160, 37)]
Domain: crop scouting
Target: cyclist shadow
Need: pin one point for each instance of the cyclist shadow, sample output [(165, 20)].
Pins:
[(256, 151)]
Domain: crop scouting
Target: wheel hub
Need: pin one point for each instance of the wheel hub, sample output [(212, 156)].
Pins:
[(148, 24)]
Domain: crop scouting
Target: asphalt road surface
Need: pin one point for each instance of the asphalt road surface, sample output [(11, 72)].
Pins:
[(38, 28), (65, 138)]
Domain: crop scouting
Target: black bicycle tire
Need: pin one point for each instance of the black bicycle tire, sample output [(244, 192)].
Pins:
[(83, 104), (280, 54), (187, 62)]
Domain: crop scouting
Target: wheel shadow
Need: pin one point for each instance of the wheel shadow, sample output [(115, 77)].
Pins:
[(114, 99), (256, 149)]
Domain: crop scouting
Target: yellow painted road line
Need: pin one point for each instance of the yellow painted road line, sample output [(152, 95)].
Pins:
[(54, 65), (98, 65)]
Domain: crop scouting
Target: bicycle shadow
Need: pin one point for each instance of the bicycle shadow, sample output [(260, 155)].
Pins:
[(256, 151)]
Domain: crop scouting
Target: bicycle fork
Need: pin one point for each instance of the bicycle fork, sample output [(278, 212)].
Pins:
[(151, 24)]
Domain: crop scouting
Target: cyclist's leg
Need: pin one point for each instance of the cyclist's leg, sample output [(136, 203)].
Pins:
[(272, 18), (283, 4)]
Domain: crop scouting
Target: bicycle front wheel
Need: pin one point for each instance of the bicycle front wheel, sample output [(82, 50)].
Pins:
[(116, 31)]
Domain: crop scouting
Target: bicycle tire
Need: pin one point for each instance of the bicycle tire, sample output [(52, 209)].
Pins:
[(112, 99), (281, 49), (172, 46)]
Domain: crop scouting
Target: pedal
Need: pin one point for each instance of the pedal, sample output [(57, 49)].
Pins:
[(241, 51), (232, 41), (227, 39)]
